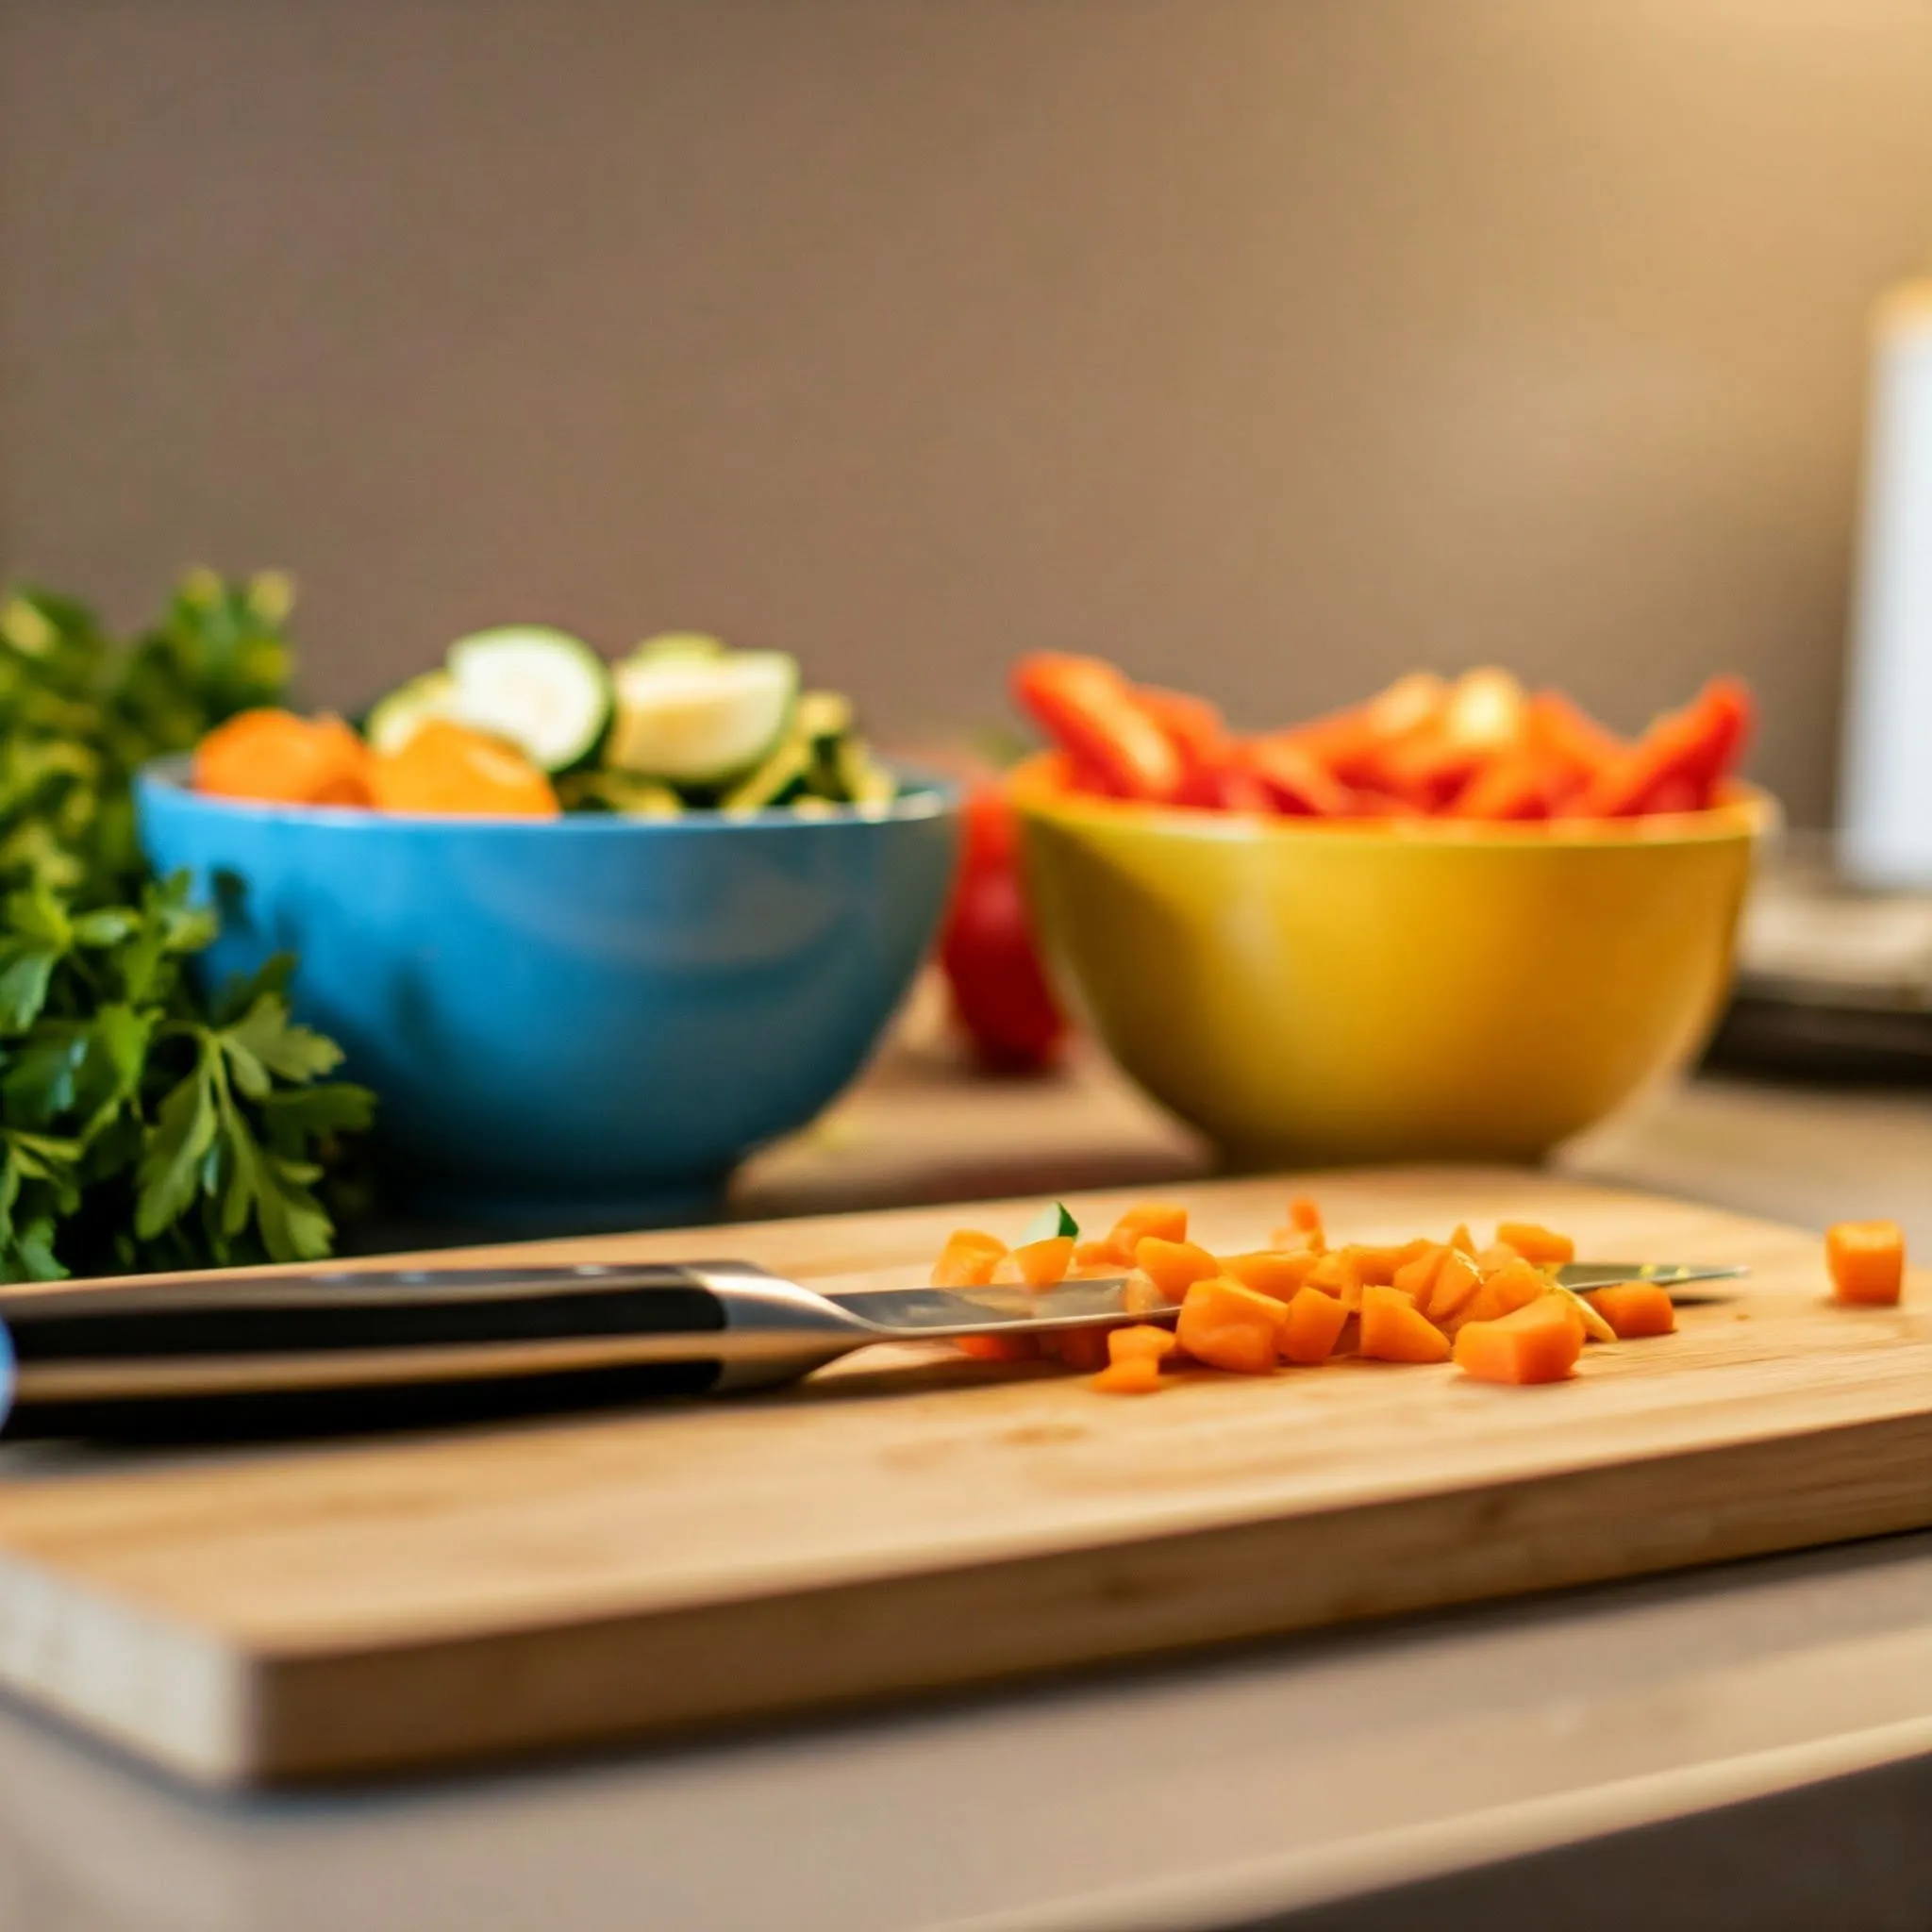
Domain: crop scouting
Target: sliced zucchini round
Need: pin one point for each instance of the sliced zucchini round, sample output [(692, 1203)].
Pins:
[(672, 646), (395, 720), (545, 690), (689, 720)]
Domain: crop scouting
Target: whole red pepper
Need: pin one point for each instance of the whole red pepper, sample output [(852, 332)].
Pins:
[(1000, 992)]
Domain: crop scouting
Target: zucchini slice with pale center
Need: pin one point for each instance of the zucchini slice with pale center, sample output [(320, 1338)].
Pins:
[(395, 720), (545, 690), (687, 720)]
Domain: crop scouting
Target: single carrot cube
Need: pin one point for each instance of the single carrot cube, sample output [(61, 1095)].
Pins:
[(1231, 1327), (1537, 1244), (1042, 1264), (1418, 1276), (1296, 1240), (1335, 1273), (1634, 1309), (1314, 1325), (1174, 1267), (1377, 1265), (1147, 1217), (1539, 1342), (1144, 1341), (1302, 1214), (1100, 1256), (1270, 1273), (1456, 1284), (1134, 1374), (1867, 1262), (1393, 1332), (968, 1259), (1513, 1285), (1495, 1255)]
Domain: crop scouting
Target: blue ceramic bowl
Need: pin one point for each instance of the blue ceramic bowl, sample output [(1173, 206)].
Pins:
[(580, 1021)]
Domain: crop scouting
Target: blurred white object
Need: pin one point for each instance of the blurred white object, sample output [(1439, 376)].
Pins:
[(1886, 792)]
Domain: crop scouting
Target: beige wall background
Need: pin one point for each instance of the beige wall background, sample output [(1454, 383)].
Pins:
[(1270, 345)]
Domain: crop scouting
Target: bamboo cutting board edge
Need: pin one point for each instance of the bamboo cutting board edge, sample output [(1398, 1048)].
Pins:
[(100, 1619)]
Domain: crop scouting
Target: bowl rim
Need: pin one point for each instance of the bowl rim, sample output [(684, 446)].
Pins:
[(1751, 813), (933, 795)]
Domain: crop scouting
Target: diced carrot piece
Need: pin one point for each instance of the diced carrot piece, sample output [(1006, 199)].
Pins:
[(968, 1259), (1314, 1325), (1497, 1255), (1174, 1267), (1634, 1309), (1512, 1285), (1143, 1340), (1463, 1240), (1148, 1216), (1100, 1256), (1378, 1265), (1296, 1240), (1231, 1327), (279, 758), (1867, 1261), (1137, 1375), (1304, 1214), (1079, 1348), (1335, 1273), (1417, 1278), (1539, 1342), (1456, 1284), (1042, 1264), (1393, 1332), (1270, 1272), (1536, 1244), (999, 1348)]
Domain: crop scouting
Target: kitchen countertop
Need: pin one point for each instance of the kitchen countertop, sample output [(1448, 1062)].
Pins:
[(1742, 1746)]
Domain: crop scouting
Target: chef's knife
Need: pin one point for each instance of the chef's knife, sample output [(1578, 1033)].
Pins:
[(248, 1353)]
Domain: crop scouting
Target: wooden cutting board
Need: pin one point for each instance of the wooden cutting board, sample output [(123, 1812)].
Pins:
[(910, 1520)]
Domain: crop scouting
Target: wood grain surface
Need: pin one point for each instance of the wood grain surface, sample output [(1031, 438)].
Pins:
[(908, 1520)]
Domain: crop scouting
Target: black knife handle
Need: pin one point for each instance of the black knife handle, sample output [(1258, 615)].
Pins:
[(256, 1355)]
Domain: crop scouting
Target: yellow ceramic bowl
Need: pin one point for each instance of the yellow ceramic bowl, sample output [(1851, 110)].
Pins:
[(1318, 993)]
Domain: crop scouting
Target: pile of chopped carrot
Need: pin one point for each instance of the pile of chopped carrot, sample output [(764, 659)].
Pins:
[(1481, 749), (1497, 1312)]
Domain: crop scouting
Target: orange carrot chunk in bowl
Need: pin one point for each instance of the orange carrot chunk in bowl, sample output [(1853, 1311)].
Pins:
[(279, 758), (445, 769)]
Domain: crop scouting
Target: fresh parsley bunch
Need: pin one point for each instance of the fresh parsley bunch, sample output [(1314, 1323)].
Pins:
[(141, 1127)]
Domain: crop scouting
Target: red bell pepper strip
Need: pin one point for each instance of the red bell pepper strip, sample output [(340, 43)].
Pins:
[(1094, 715)]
